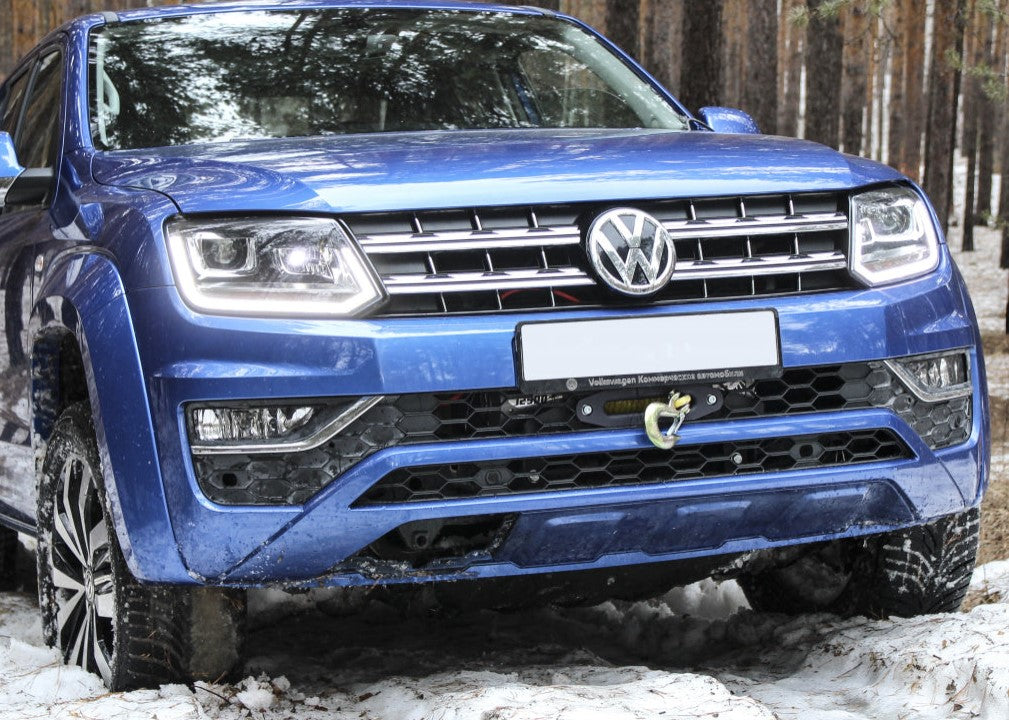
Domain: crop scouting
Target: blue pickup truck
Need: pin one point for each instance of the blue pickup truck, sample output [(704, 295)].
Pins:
[(395, 293)]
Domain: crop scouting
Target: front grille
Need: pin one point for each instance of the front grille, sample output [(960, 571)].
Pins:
[(633, 467), (292, 478), (524, 258)]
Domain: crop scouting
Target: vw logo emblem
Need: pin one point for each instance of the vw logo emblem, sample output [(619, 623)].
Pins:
[(630, 251)]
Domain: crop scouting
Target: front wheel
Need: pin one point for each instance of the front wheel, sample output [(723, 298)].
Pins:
[(93, 609), (915, 571)]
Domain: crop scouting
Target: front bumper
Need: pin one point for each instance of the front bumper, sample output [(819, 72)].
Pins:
[(193, 358)]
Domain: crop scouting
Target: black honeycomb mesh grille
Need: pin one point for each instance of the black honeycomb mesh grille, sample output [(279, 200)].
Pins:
[(633, 467), (433, 418)]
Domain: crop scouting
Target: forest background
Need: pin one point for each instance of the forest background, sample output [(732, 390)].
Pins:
[(911, 83)]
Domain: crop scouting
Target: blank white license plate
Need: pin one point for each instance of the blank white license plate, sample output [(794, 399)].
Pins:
[(641, 352)]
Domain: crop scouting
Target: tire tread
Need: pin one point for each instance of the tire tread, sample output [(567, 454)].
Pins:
[(916, 571), (154, 626)]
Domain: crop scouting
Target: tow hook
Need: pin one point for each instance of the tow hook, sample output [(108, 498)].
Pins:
[(676, 408)]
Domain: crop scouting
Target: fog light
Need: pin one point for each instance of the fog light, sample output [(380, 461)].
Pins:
[(268, 429), (239, 424), (934, 377)]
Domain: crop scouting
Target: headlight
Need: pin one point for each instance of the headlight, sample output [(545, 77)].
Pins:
[(893, 237), (277, 266)]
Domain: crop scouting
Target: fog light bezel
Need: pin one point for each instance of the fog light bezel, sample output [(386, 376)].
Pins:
[(931, 394), (330, 420)]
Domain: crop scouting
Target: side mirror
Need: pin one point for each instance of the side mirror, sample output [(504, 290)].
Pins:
[(728, 120), (10, 170), (19, 186)]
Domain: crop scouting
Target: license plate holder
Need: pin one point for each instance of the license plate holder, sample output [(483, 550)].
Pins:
[(656, 350)]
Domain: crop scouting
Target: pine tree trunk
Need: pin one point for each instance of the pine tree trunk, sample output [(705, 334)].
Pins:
[(874, 57), (970, 152), (876, 99), (6, 38), (660, 49), (622, 25), (782, 82), (944, 87), (898, 69), (760, 94), (700, 68), (823, 69), (993, 54), (591, 12), (25, 17), (915, 109), (1003, 204), (734, 40), (856, 32), (971, 100), (1003, 198), (788, 119)]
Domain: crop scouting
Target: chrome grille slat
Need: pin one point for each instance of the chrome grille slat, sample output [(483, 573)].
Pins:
[(766, 265), (496, 259), (572, 277), (486, 281), (470, 240), (755, 226)]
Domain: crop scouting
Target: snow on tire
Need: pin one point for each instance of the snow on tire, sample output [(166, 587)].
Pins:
[(924, 569), (93, 609), (915, 571)]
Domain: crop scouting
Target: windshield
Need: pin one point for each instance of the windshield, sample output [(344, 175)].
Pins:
[(267, 74)]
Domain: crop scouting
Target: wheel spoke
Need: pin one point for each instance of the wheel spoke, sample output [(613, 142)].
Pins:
[(81, 519), (66, 523), (68, 537), (101, 661), (66, 582), (67, 609), (105, 602), (70, 477), (98, 538), (89, 630), (76, 642)]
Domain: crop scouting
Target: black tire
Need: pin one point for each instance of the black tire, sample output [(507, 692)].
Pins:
[(917, 571), (8, 559), (93, 609)]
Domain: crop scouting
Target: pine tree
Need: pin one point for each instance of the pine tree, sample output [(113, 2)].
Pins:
[(734, 48), (660, 54), (897, 20), (993, 53), (944, 86), (915, 106), (622, 19), (856, 45), (971, 92), (701, 67), (793, 39), (823, 68), (760, 92)]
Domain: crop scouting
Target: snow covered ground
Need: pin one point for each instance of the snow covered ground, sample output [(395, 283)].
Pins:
[(698, 652), (695, 654)]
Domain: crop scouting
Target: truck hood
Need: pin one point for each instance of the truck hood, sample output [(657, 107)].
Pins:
[(361, 173)]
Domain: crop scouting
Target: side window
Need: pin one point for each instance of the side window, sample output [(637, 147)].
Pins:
[(37, 142), (12, 110)]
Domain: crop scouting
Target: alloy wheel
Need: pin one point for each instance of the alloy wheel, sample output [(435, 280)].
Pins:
[(81, 567)]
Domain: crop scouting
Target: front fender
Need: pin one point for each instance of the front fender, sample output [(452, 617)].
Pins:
[(83, 297)]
